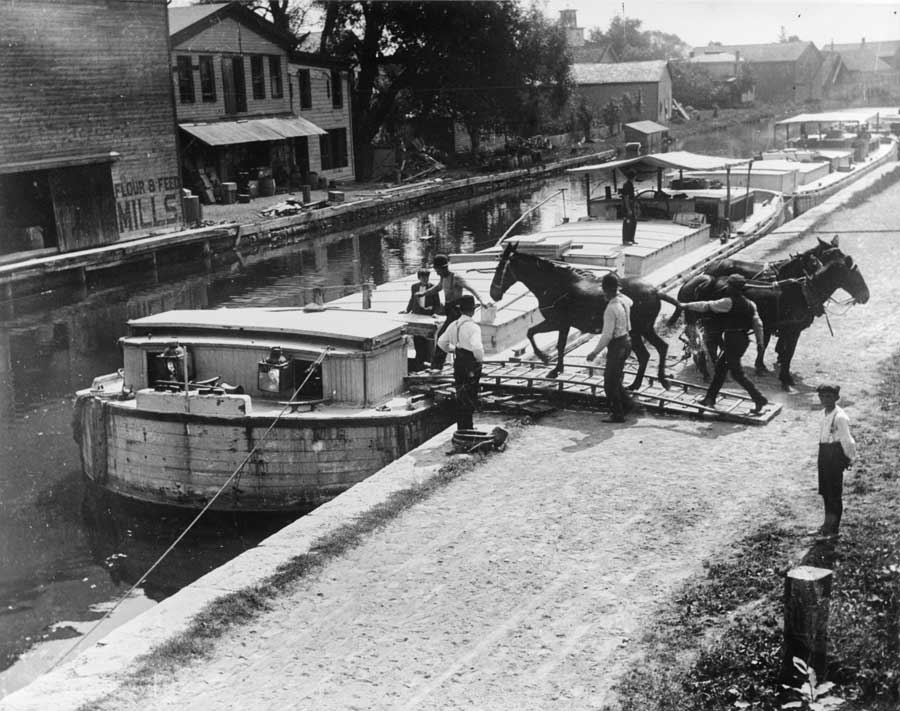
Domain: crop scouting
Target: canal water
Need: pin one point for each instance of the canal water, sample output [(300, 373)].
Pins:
[(67, 553)]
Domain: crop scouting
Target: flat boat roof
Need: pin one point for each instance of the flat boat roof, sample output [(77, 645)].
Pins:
[(845, 116), (357, 327)]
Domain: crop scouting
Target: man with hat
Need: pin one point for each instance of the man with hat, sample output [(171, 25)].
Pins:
[(615, 339), (463, 338), (837, 449), (732, 317), (629, 219), (453, 286)]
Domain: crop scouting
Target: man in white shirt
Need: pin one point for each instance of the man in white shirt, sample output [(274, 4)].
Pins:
[(463, 338), (837, 449), (615, 339)]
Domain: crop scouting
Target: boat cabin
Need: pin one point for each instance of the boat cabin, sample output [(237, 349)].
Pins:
[(340, 356)]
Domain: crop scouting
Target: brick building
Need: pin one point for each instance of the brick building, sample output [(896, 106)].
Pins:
[(88, 151), (244, 104)]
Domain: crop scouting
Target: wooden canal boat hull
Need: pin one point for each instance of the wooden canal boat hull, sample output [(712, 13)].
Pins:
[(183, 459)]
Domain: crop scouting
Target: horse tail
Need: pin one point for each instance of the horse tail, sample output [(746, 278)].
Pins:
[(673, 319)]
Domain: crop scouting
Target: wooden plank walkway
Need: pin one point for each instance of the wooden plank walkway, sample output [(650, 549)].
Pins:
[(524, 383)]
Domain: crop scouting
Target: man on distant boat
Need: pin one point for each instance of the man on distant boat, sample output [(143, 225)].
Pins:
[(463, 339), (453, 285), (629, 220), (732, 317)]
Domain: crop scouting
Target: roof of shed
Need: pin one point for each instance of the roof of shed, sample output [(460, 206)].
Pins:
[(622, 73), (770, 52)]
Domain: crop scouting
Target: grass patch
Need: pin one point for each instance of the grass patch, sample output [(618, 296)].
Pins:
[(718, 644), (243, 606)]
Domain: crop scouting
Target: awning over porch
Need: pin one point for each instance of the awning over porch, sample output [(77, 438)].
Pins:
[(224, 133)]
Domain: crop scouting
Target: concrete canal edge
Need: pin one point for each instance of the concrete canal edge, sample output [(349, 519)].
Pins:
[(100, 669)]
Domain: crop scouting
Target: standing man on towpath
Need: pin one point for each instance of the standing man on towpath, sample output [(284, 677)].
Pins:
[(837, 449), (453, 286), (732, 317), (463, 339), (615, 339)]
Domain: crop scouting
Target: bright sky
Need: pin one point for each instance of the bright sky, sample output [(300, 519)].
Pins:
[(698, 22)]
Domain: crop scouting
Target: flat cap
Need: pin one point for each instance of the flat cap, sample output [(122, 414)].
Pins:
[(466, 301), (441, 260), (829, 388), (736, 281)]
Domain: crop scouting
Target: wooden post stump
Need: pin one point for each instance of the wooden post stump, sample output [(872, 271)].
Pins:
[(807, 591)]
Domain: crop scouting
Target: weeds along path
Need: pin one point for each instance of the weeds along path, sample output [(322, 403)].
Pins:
[(525, 583)]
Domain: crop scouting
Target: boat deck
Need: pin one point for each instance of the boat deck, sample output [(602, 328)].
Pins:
[(594, 245)]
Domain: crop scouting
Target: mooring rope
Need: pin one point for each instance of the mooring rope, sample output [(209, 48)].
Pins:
[(316, 364)]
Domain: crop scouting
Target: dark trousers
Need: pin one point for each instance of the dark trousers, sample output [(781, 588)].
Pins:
[(423, 348), (832, 462), (452, 312), (466, 377), (734, 345), (616, 354), (629, 228)]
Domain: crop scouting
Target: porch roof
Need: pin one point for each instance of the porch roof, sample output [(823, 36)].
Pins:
[(224, 133)]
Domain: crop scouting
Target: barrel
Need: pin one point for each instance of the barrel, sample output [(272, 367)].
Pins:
[(266, 186), (229, 193)]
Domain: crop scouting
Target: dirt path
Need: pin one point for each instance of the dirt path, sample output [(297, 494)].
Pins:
[(525, 583)]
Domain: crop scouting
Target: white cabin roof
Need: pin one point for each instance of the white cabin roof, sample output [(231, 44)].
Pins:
[(364, 329)]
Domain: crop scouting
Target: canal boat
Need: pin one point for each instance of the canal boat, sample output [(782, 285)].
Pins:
[(252, 409)]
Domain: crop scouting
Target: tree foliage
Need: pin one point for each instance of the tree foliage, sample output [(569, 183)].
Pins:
[(632, 44), (481, 63), (692, 85)]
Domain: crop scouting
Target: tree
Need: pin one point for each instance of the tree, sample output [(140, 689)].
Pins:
[(611, 115), (480, 63), (691, 85), (631, 44), (286, 15)]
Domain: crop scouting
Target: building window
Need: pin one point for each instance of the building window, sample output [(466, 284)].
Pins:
[(275, 77), (207, 79), (185, 80), (233, 84), (257, 76), (337, 92), (305, 89), (333, 149)]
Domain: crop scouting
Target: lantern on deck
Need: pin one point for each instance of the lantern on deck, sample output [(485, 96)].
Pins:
[(275, 374)]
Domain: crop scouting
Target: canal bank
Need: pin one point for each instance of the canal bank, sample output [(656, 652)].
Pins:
[(528, 577)]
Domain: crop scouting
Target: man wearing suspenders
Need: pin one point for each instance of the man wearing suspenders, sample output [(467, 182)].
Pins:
[(463, 339)]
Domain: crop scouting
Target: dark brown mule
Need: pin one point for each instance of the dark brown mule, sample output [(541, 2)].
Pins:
[(799, 265), (572, 298), (786, 307)]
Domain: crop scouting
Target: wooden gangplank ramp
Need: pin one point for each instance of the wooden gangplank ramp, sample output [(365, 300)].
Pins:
[(526, 381)]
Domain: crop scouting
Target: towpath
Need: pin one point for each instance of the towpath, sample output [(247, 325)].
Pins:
[(526, 582)]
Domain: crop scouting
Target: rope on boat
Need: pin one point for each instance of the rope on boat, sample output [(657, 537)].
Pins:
[(236, 473)]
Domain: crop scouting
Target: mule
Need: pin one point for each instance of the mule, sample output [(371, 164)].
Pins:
[(786, 307), (569, 297), (797, 265)]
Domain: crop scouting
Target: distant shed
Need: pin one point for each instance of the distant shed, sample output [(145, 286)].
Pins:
[(653, 137)]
